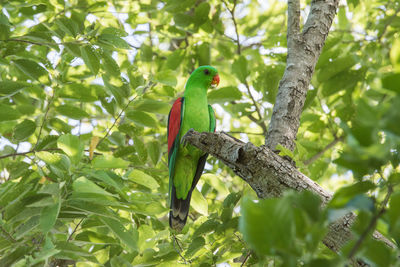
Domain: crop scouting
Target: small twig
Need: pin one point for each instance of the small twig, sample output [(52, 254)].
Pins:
[(40, 43), (260, 120), (16, 150), (44, 118), (28, 152), (80, 122), (326, 148), (245, 259), (232, 12), (7, 235), (372, 223), (262, 125), (115, 121), (33, 151), (180, 248), (76, 228)]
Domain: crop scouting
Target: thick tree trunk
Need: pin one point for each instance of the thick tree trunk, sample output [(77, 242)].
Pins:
[(303, 52)]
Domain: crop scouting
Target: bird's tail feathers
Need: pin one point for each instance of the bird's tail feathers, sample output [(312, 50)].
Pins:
[(179, 210)]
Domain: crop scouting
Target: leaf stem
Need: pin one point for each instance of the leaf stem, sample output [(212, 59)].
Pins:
[(44, 118), (326, 148), (371, 224)]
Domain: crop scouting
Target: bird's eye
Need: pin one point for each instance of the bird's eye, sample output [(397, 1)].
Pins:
[(206, 72)]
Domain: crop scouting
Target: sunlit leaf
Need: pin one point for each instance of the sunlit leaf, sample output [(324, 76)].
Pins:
[(109, 162), (144, 179), (72, 146)]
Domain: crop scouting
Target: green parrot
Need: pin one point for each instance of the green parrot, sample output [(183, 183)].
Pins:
[(186, 162)]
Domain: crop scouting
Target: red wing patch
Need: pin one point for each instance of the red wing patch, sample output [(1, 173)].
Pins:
[(174, 122)]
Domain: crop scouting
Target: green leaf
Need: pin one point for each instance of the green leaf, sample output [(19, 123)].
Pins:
[(146, 237), (7, 113), (206, 227), (167, 77), (199, 203), (24, 129), (72, 112), (140, 148), (204, 52), (54, 159), (175, 59), (83, 185), (71, 146), (395, 54), (49, 216), (267, 225), (268, 80), (59, 125), (195, 246), (110, 66), (82, 92), (108, 178), (391, 81), (114, 31), (91, 58), (153, 106), (109, 162), (144, 179), (336, 66), (345, 194), (129, 238), (141, 118), (68, 250), (32, 69), (113, 40), (223, 95), (239, 68), (9, 88), (154, 151), (394, 216), (201, 13), (283, 151), (67, 26)]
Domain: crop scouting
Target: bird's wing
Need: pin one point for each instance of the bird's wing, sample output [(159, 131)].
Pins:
[(211, 113), (175, 118)]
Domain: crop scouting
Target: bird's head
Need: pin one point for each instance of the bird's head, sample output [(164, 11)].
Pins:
[(205, 75)]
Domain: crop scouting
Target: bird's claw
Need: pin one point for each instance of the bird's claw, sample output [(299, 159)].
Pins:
[(184, 138)]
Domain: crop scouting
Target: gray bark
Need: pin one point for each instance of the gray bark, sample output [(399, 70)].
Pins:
[(269, 175), (303, 52)]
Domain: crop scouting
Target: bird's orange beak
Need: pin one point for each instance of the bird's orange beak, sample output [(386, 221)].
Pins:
[(215, 81)]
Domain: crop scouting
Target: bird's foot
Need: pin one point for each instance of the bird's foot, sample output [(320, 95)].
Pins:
[(184, 138)]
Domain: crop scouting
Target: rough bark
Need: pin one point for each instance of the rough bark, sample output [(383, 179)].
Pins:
[(303, 52), (269, 175)]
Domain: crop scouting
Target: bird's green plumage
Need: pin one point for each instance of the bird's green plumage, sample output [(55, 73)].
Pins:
[(197, 114)]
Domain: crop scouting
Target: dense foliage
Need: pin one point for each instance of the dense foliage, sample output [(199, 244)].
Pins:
[(85, 90)]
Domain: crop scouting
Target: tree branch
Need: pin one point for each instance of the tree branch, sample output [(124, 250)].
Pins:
[(320, 153), (303, 52), (372, 224), (33, 151), (270, 175), (293, 24), (232, 12)]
